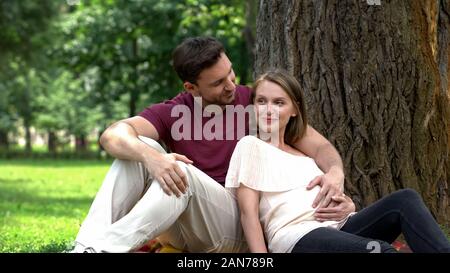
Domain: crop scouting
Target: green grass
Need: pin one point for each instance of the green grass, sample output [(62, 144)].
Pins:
[(42, 203)]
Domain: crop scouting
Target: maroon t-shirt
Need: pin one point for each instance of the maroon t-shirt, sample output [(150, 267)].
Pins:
[(209, 143)]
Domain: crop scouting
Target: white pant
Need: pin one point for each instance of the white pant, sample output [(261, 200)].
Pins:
[(130, 209)]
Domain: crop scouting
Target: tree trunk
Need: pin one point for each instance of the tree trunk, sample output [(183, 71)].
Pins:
[(134, 90), (375, 81), (4, 141), (80, 144), (248, 41), (100, 147), (444, 71), (27, 136), (52, 142), (132, 103)]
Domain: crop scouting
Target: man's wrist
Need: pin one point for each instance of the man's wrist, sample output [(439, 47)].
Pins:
[(146, 154), (338, 175), (337, 171)]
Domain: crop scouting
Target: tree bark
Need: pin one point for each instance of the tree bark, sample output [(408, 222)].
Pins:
[(134, 90), (248, 38), (27, 125), (4, 141), (52, 142), (375, 81), (444, 71), (80, 144)]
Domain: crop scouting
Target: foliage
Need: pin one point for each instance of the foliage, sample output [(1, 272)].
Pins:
[(8, 116), (20, 21), (79, 68), (22, 87)]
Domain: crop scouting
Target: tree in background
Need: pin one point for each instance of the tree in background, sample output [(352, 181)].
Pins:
[(123, 49), (21, 23), (99, 61), (129, 44), (23, 85), (8, 116), (376, 83), (64, 105)]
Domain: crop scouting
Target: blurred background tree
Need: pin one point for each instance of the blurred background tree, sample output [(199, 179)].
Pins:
[(21, 24), (69, 69)]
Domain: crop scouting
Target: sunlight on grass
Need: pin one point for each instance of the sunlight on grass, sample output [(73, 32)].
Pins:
[(42, 204)]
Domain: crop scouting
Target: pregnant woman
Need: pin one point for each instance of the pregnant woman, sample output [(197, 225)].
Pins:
[(269, 178)]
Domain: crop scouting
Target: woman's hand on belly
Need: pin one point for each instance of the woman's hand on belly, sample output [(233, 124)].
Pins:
[(343, 207)]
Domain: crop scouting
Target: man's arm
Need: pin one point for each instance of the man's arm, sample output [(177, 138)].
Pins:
[(121, 141), (327, 158)]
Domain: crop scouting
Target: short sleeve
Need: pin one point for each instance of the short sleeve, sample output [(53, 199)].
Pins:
[(259, 167), (159, 116)]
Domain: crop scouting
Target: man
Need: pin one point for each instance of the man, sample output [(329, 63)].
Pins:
[(178, 196)]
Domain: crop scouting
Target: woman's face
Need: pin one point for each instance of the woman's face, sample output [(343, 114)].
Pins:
[(273, 107)]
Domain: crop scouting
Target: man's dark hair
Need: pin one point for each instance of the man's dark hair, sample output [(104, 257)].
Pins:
[(195, 54)]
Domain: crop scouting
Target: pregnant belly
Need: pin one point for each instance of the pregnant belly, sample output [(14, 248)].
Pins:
[(292, 206)]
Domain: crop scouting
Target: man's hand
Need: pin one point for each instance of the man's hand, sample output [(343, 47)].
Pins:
[(343, 206), (332, 184), (166, 171)]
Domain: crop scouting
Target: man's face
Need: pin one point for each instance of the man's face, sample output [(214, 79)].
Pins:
[(216, 85)]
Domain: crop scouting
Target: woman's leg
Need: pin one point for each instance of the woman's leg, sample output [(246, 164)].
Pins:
[(330, 240), (400, 212)]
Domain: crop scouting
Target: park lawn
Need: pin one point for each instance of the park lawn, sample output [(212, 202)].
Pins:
[(42, 203)]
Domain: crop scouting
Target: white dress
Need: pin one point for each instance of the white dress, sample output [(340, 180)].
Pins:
[(285, 207)]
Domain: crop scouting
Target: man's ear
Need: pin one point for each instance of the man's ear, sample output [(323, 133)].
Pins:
[(191, 88)]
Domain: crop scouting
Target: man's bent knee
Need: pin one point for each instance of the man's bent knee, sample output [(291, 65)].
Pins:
[(152, 143)]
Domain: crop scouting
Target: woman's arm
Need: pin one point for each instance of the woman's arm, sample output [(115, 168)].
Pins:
[(248, 200)]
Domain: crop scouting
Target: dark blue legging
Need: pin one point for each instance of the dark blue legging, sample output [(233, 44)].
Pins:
[(374, 228)]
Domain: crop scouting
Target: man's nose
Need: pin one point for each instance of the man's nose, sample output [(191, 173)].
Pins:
[(230, 85)]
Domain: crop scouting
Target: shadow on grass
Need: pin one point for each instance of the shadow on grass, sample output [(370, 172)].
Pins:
[(53, 247), (22, 201), (55, 163), (56, 247)]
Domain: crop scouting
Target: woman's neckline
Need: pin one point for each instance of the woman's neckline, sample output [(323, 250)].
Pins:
[(283, 151)]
